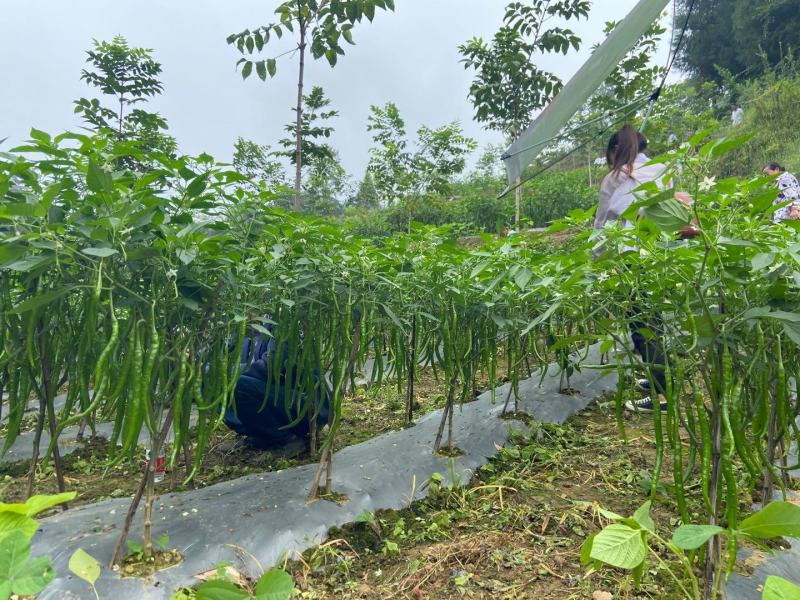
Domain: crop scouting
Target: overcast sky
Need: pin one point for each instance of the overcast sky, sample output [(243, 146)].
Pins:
[(409, 57)]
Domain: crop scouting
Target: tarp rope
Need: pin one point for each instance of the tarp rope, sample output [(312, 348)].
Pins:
[(629, 110), (632, 110), (673, 54)]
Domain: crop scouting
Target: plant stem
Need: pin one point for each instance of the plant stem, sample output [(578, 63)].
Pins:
[(298, 152)]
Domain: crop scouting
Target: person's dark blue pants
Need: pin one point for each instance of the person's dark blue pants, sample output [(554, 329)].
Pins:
[(267, 422), (650, 347)]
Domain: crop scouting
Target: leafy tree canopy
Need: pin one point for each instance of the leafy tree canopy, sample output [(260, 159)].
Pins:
[(131, 77), (740, 37)]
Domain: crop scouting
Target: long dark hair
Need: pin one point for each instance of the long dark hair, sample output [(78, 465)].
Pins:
[(623, 148), (775, 167)]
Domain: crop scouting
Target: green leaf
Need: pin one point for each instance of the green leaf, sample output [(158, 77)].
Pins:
[(777, 588), (691, 537), (777, 519), (611, 516), (365, 516), (99, 251), (586, 550), (668, 215), (619, 546), (84, 565), (29, 263), (792, 331), (11, 252), (22, 209), (12, 523), (34, 577), (220, 590), (14, 553), (272, 67), (186, 255), (479, 268), (247, 69), (261, 70), (40, 136), (197, 186), (522, 277), (97, 179), (36, 504), (275, 584), (392, 316), (643, 518), (762, 261), (18, 575), (41, 299)]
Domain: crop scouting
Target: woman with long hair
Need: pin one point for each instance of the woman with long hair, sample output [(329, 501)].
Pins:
[(629, 168)]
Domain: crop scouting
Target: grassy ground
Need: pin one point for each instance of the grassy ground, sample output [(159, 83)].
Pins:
[(513, 532)]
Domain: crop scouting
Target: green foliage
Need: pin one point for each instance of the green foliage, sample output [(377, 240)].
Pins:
[(508, 86), (635, 75), (366, 196), (554, 194), (130, 76), (772, 110), (777, 588), (275, 584), (314, 129), (625, 542), (254, 162), (742, 37), (405, 175), (19, 574), (328, 23), (85, 566)]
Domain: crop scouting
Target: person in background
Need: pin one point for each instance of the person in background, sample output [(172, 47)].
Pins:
[(630, 169), (789, 191), (737, 115), (672, 140), (258, 407)]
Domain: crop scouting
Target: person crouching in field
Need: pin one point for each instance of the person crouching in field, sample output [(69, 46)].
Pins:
[(788, 191), (258, 409)]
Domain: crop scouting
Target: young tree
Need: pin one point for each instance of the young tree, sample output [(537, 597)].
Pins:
[(635, 76), (508, 86), (130, 75), (404, 175), (366, 196), (326, 186), (313, 129), (325, 23), (255, 162)]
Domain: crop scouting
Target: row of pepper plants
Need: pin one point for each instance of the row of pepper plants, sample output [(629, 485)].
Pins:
[(133, 290)]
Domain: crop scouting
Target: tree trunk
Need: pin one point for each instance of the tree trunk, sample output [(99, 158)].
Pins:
[(119, 122), (448, 408), (143, 484), (298, 151)]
